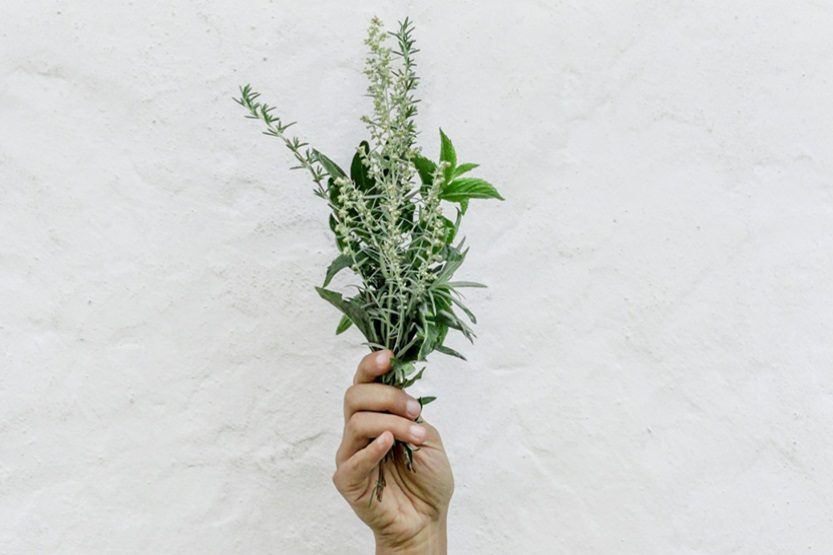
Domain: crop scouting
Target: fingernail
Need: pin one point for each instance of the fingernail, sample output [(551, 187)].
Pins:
[(418, 432), (413, 408), (382, 359)]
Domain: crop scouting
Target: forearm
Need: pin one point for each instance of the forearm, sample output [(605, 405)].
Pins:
[(431, 541)]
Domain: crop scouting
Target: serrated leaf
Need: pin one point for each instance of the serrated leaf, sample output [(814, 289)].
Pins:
[(425, 168), (342, 261), (463, 168), (447, 154), (467, 188), (343, 324)]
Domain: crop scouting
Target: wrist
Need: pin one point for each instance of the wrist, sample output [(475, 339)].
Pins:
[(431, 540)]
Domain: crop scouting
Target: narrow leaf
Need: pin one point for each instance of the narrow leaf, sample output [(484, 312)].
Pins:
[(331, 167), (343, 324), (464, 284), (425, 400), (449, 351)]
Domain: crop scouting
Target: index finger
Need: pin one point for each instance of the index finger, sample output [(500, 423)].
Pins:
[(373, 365)]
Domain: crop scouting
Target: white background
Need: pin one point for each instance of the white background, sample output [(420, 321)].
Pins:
[(653, 368)]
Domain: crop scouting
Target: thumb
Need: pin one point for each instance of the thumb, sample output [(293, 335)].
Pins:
[(352, 474)]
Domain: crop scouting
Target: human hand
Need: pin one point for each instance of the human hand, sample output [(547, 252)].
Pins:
[(411, 517)]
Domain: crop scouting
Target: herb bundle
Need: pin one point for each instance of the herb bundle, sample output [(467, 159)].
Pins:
[(387, 218)]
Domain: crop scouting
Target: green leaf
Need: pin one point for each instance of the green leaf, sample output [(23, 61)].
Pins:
[(449, 351), (344, 324), (429, 341), (467, 188), (425, 168), (464, 284), (425, 400), (358, 171), (351, 308), (411, 381), (464, 168), (447, 154), (464, 205), (454, 260), (465, 309), (339, 241), (342, 261), (331, 167)]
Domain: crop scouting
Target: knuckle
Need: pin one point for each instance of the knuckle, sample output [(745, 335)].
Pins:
[(350, 397), (336, 478), (354, 423)]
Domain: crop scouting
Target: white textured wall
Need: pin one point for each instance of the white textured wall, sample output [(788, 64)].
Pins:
[(654, 367)]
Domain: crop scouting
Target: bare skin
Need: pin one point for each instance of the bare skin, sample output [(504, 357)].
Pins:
[(411, 518)]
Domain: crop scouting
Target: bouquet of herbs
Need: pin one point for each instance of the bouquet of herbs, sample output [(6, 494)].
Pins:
[(387, 216)]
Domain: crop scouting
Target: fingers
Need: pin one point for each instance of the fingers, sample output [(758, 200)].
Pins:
[(353, 473), (373, 365), (365, 425), (377, 397)]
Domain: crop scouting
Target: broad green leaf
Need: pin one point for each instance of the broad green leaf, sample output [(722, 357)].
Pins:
[(425, 168), (342, 261), (447, 154), (358, 172), (449, 351), (344, 324), (467, 188), (331, 167), (464, 168), (464, 205)]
